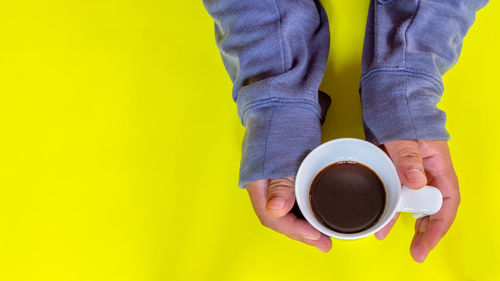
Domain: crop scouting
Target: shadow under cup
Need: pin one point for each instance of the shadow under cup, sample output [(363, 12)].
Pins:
[(348, 149)]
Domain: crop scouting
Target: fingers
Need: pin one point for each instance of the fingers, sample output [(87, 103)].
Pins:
[(288, 224), (429, 230), (408, 161), (281, 196), (381, 234), (440, 223), (323, 244), (291, 225), (417, 248)]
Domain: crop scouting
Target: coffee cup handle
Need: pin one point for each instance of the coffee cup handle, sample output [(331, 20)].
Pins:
[(420, 202)]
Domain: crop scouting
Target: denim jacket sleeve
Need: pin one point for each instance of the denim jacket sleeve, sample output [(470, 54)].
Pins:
[(409, 45), (275, 53)]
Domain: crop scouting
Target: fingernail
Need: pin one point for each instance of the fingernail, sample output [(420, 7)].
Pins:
[(415, 175), (312, 236), (322, 250), (276, 203)]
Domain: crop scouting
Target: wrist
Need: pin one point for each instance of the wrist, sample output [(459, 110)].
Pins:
[(277, 139), (401, 105)]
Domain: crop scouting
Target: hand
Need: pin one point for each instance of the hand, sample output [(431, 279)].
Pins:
[(272, 201), (421, 162)]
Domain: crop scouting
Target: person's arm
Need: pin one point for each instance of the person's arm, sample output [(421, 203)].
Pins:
[(275, 52), (409, 45)]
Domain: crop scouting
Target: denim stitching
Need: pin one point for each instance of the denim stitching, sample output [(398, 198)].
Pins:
[(404, 60), (407, 75), (275, 101), (265, 146), (408, 69), (415, 71), (252, 105), (281, 37)]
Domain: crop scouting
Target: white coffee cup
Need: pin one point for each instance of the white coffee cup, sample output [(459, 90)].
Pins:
[(421, 202)]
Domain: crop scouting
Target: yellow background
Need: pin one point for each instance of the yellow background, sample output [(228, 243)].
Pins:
[(120, 150)]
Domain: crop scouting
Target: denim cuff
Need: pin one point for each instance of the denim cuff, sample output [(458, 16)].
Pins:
[(277, 138), (400, 104)]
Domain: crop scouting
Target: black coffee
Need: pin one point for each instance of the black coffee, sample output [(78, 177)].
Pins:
[(347, 197)]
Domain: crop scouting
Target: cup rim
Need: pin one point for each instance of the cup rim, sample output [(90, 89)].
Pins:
[(330, 232)]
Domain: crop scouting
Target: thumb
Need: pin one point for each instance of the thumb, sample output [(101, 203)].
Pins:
[(409, 163), (280, 196)]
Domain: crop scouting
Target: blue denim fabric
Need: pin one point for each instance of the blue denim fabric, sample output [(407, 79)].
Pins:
[(408, 46), (275, 52)]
